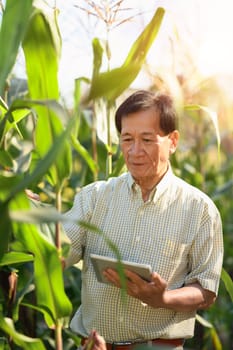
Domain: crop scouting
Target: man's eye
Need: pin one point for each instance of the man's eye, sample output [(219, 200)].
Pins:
[(127, 140), (147, 140)]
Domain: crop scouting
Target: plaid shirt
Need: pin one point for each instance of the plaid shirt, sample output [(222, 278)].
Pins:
[(177, 231)]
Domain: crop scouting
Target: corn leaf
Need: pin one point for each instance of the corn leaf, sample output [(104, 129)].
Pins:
[(59, 146), (141, 46), (24, 342), (5, 159), (112, 83), (98, 56), (84, 154), (227, 282), (42, 51), (211, 332), (12, 258), (203, 322), (216, 340), (114, 248), (77, 99), (120, 163), (47, 267), (14, 24), (5, 233), (213, 116), (37, 215)]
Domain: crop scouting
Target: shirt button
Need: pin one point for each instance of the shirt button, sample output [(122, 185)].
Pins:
[(137, 238), (144, 304), (141, 211)]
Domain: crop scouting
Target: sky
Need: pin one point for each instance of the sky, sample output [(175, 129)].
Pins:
[(199, 30)]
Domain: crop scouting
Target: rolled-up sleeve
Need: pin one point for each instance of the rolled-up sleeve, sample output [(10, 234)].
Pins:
[(206, 254)]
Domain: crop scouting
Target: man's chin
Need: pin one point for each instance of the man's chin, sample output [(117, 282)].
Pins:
[(138, 177)]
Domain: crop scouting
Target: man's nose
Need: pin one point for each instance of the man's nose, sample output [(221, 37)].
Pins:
[(136, 147)]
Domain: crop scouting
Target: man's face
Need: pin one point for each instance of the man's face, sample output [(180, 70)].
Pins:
[(145, 147)]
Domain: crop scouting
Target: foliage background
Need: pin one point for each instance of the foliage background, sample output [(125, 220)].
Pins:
[(39, 127)]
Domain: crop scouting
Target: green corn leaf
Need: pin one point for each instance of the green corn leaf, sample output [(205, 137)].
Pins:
[(47, 131), (14, 24), (6, 184), (24, 342), (192, 107), (118, 166), (216, 340), (3, 118), (42, 52), (58, 147), (112, 83), (52, 215), (98, 56), (3, 107), (5, 225), (16, 115), (10, 120), (37, 215), (211, 331), (115, 250), (213, 116), (41, 168), (227, 282), (77, 99), (12, 258), (84, 154), (140, 48), (204, 322), (5, 159), (47, 267), (41, 55), (45, 217)]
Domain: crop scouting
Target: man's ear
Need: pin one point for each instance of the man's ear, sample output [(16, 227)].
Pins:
[(174, 138)]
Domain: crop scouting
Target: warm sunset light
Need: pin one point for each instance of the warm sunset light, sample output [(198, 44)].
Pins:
[(193, 32), (116, 163)]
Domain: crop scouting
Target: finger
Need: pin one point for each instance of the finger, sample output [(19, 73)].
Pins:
[(112, 276), (158, 280), (99, 340), (133, 277), (95, 342)]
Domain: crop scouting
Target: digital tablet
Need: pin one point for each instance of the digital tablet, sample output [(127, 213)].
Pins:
[(101, 263)]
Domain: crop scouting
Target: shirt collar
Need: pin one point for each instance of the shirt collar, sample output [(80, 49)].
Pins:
[(163, 184), (160, 187)]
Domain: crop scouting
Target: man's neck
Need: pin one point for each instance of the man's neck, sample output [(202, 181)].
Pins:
[(147, 186)]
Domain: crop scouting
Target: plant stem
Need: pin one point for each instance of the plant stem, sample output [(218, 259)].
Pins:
[(94, 143), (58, 336), (58, 225), (58, 327), (109, 142)]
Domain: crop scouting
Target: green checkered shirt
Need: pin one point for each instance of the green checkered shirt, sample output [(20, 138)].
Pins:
[(177, 231)]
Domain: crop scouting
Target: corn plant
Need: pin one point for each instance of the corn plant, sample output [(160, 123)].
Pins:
[(46, 150), (49, 156), (37, 139)]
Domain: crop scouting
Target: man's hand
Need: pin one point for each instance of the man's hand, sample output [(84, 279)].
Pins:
[(95, 342), (155, 293), (150, 293)]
